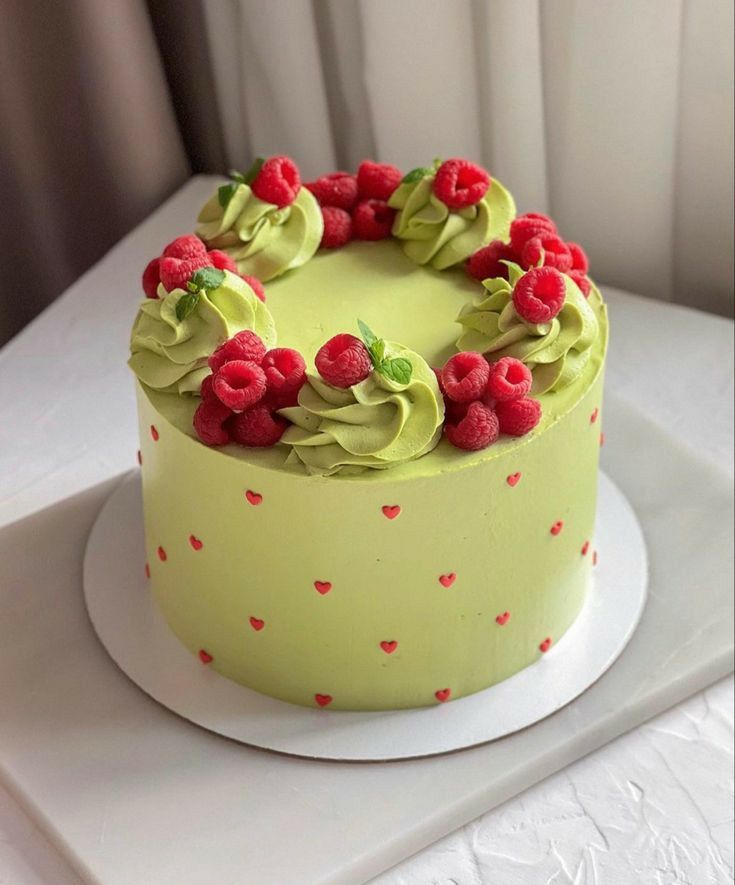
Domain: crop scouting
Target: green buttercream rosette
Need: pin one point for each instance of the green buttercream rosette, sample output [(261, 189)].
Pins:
[(377, 423), (434, 234), (169, 350), (264, 240), (556, 352)]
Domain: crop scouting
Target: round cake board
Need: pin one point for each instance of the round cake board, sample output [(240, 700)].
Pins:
[(136, 636)]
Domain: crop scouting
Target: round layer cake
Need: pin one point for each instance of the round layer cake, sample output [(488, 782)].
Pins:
[(364, 562)]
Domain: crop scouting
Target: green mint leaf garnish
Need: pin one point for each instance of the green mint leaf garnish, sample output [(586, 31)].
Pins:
[(207, 278), (416, 175), (252, 173), (237, 176), (225, 193), (186, 305), (377, 351), (368, 336), (398, 370)]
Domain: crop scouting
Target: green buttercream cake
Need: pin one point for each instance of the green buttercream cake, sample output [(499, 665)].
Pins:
[(328, 520)]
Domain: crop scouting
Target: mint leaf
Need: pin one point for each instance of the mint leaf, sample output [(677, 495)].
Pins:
[(207, 278), (368, 336), (237, 176), (416, 175), (398, 370), (377, 351), (252, 173), (186, 305), (225, 193)]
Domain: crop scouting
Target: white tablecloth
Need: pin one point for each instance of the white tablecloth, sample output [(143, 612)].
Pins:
[(653, 806)]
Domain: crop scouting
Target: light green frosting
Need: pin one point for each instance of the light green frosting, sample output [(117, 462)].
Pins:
[(434, 234), (556, 352), (377, 423), (170, 355), (264, 240)]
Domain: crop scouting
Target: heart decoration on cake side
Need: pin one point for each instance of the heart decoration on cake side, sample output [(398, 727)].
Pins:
[(443, 694), (391, 511), (585, 548), (448, 579), (503, 619), (195, 542), (205, 657), (162, 554), (154, 433), (257, 623), (513, 479), (324, 700), (594, 416), (322, 587), (253, 498), (545, 645), (557, 527), (389, 646)]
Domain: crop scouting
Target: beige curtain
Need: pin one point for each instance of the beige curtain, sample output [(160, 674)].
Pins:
[(89, 142)]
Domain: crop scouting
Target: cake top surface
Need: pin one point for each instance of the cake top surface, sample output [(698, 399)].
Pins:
[(407, 322)]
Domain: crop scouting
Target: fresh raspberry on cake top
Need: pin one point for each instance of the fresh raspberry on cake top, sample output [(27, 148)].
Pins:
[(539, 294), (337, 227), (465, 376), (337, 189), (459, 183), (372, 220), (487, 262), (343, 361), (377, 181), (478, 429), (277, 182)]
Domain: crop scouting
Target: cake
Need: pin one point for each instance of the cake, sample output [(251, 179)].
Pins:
[(370, 428)]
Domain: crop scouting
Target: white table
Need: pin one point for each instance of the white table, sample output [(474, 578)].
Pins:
[(653, 806)]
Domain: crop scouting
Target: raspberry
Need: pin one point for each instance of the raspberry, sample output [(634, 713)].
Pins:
[(343, 361), (245, 345), (377, 181), (239, 384), (485, 263), (189, 246), (285, 372), (221, 260), (438, 374), (209, 423), (525, 227), (551, 248), (477, 430), (338, 189), (580, 261), (206, 392), (582, 281), (539, 295), (518, 416), (465, 376), (509, 379), (257, 428), (255, 285), (277, 182), (372, 220), (152, 277), (175, 272), (337, 227), (459, 183)]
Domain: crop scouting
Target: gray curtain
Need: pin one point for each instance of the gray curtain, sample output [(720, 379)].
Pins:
[(91, 135)]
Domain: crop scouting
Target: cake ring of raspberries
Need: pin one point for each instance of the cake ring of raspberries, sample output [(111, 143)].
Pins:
[(527, 226), (343, 361), (509, 379), (459, 183), (285, 375), (221, 260), (478, 429), (210, 422), (539, 294), (337, 189), (257, 428), (518, 417), (239, 384), (245, 346), (465, 376), (188, 246), (582, 281), (278, 181), (337, 227), (486, 262), (372, 220), (550, 249), (377, 181)]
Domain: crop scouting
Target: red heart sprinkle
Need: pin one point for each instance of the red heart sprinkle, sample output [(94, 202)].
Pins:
[(323, 586), (443, 694), (389, 647), (545, 645), (147, 570), (585, 548), (205, 657), (503, 619), (162, 554), (391, 511), (447, 580), (593, 416), (513, 479), (140, 458), (257, 623), (557, 527), (154, 433), (195, 542), (254, 498), (324, 700)]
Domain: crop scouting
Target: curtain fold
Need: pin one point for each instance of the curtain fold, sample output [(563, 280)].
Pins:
[(615, 116)]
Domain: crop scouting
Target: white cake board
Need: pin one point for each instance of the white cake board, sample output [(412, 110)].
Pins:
[(134, 632)]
